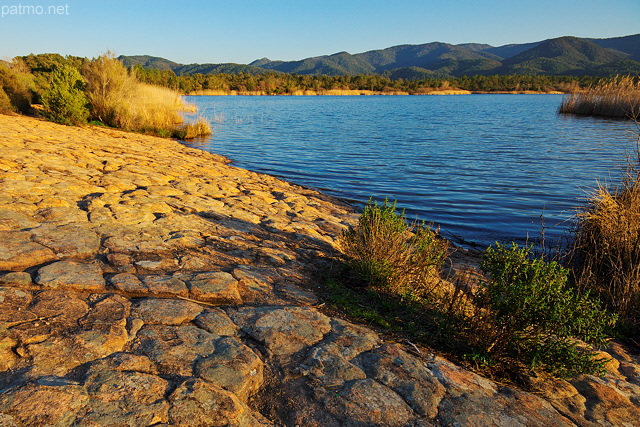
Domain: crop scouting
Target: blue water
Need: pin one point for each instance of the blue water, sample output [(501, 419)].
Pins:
[(484, 168)]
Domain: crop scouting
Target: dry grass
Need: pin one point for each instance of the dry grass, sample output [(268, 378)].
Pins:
[(149, 106), (606, 252), (118, 99), (440, 91), (393, 256), (199, 128), (619, 97)]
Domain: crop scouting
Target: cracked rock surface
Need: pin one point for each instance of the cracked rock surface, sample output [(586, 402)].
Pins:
[(144, 283)]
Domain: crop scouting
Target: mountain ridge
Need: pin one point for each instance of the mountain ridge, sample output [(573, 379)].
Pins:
[(567, 55)]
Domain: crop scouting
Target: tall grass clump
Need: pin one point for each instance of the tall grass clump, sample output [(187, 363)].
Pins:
[(618, 97), (200, 127), (392, 255), (527, 313), (606, 250), (118, 99)]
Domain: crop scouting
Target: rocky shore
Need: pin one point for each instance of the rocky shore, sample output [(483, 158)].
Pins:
[(146, 283)]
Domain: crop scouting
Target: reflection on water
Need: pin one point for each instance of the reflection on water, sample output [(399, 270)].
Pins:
[(483, 167)]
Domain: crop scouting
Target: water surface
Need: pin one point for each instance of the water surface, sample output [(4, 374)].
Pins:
[(484, 168)]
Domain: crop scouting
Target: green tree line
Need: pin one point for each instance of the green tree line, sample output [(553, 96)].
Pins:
[(274, 83)]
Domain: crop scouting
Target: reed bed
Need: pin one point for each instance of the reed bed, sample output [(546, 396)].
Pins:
[(118, 99), (199, 128), (606, 250), (618, 97)]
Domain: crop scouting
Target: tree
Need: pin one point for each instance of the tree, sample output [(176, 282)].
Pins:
[(108, 84), (65, 101)]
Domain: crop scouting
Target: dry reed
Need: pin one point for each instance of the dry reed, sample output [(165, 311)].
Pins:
[(606, 251), (118, 99), (199, 128), (619, 97)]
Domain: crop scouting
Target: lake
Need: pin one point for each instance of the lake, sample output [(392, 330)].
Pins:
[(483, 168)]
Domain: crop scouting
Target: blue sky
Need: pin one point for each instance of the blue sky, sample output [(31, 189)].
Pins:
[(241, 31)]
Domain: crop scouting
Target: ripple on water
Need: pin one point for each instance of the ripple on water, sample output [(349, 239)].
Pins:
[(483, 167)]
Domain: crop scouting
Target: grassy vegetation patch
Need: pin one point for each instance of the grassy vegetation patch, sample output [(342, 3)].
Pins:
[(526, 316), (77, 91)]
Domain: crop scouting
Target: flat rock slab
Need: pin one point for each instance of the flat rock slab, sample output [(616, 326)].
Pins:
[(175, 349), (18, 251), (59, 355), (166, 311), (51, 313), (130, 284), (407, 376), (119, 397), (214, 287), (199, 403), (217, 322), (69, 240), (367, 402), (42, 404), (283, 330), (10, 220), (72, 275), (165, 286), (16, 278), (76, 333), (234, 367)]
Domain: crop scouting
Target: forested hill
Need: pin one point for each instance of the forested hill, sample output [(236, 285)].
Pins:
[(570, 56), (153, 62)]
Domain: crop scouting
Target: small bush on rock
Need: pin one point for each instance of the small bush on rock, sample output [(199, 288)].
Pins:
[(528, 312), (392, 255)]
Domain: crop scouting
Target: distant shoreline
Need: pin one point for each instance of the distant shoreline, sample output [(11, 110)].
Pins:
[(340, 92)]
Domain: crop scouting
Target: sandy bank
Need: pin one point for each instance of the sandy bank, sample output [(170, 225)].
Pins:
[(337, 92), (330, 92)]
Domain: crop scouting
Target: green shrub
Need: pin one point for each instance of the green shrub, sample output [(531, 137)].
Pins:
[(526, 317), (65, 102), (392, 255), (17, 87), (528, 312), (5, 103)]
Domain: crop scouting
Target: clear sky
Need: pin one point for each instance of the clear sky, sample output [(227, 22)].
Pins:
[(217, 31)]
